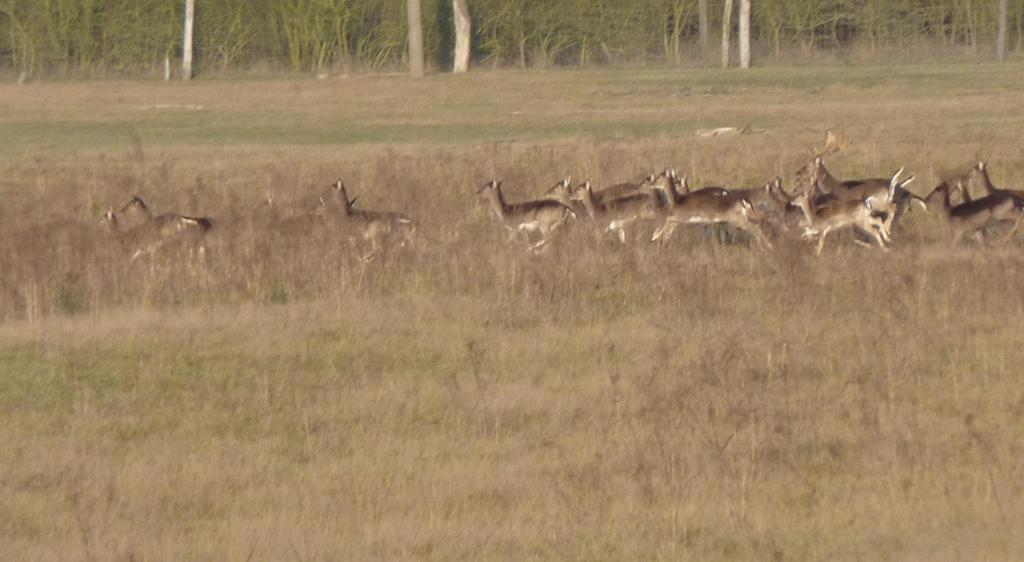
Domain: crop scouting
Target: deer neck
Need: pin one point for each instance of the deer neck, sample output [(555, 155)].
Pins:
[(587, 198), (942, 195), (497, 201), (803, 202), (986, 182), (826, 181), (671, 193)]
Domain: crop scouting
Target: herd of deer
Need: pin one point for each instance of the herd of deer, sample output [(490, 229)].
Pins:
[(820, 205)]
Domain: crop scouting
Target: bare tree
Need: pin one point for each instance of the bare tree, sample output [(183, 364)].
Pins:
[(414, 16), (1001, 37), (186, 42), (463, 36), (702, 22), (726, 33), (745, 33)]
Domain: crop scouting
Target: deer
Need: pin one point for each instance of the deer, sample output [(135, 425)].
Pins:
[(707, 208), (618, 191), (380, 229), (682, 185), (621, 212), (892, 188), (815, 176), (148, 233), (564, 193), (980, 173), (973, 216), (842, 214), (545, 216)]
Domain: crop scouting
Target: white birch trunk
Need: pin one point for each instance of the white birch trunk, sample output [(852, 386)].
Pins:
[(414, 17), (186, 42), (463, 36), (744, 33), (1001, 37), (702, 22), (726, 34)]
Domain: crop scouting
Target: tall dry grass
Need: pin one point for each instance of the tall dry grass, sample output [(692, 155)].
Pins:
[(464, 399)]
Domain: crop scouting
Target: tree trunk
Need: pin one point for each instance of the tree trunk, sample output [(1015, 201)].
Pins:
[(186, 42), (702, 17), (414, 16), (726, 33), (745, 33), (1001, 37), (463, 35)]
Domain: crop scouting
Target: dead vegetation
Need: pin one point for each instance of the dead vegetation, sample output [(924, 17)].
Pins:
[(460, 398)]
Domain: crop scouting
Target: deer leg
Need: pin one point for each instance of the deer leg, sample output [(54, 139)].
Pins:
[(755, 229), (877, 234), (542, 244), (658, 233), (821, 240), (1013, 230), (666, 231)]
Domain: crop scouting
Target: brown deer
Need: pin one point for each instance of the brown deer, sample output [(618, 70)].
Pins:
[(148, 234), (544, 216), (617, 191), (842, 214), (379, 229), (972, 217), (707, 208), (621, 212), (979, 174)]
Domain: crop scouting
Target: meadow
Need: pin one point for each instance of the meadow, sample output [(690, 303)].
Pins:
[(465, 399)]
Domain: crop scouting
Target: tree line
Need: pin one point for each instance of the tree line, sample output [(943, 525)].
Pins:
[(137, 36)]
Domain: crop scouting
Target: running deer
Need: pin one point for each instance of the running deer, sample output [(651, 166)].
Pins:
[(621, 212), (544, 216), (807, 177), (380, 229), (842, 214), (564, 193), (979, 173), (709, 207), (682, 185), (617, 191), (828, 188), (972, 217), (148, 234)]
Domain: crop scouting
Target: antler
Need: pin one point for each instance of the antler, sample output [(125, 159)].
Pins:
[(833, 143)]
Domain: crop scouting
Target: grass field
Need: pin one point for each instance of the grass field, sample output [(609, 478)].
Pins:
[(462, 399)]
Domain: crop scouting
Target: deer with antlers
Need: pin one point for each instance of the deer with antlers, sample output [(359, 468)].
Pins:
[(378, 229), (146, 234)]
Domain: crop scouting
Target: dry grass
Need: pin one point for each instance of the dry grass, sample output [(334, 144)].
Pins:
[(465, 400)]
